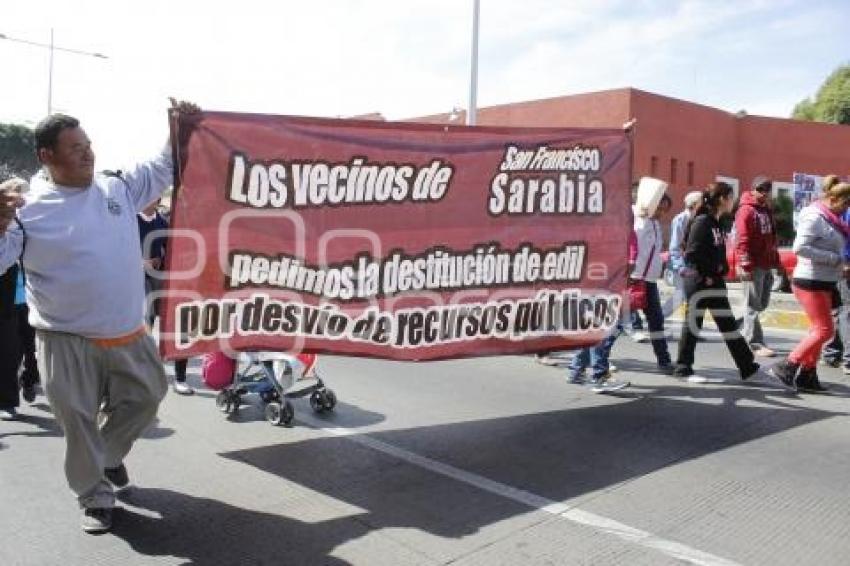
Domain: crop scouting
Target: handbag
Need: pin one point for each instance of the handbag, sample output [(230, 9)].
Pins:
[(637, 295)]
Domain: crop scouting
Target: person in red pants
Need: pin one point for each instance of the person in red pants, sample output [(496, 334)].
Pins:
[(819, 245)]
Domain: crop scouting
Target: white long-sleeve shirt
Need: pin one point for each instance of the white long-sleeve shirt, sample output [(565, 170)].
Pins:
[(650, 242), (82, 256)]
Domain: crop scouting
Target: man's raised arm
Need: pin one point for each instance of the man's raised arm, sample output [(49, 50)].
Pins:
[(147, 180)]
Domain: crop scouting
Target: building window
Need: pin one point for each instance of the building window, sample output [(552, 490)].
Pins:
[(690, 173), (653, 166), (674, 163)]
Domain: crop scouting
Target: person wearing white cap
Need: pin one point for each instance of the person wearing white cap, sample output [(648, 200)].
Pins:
[(651, 204), (676, 263)]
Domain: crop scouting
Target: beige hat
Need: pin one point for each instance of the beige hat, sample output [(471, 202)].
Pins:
[(649, 194)]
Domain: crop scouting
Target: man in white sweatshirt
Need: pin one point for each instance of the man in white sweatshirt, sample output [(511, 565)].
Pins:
[(78, 239)]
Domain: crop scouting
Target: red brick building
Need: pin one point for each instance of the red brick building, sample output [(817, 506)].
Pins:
[(687, 144)]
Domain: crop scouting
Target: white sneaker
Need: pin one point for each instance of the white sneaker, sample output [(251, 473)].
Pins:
[(547, 360), (183, 388), (763, 352), (702, 379), (640, 337), (8, 414), (607, 384), (612, 368)]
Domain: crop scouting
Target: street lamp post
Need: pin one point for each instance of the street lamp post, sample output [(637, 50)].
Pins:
[(52, 47), (473, 79)]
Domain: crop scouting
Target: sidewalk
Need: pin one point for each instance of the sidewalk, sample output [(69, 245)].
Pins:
[(784, 312)]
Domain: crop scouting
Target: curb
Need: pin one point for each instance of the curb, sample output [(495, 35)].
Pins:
[(777, 319)]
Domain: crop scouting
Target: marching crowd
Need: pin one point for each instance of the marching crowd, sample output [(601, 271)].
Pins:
[(698, 262), (71, 267)]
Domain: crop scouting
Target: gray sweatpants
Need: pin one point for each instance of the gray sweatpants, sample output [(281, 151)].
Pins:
[(757, 296), (79, 376)]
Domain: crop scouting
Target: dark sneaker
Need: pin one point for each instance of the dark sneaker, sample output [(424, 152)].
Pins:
[(808, 382), (753, 370), (28, 393), (576, 378), (786, 372), (117, 476), (97, 520), (682, 371), (9, 414), (666, 368)]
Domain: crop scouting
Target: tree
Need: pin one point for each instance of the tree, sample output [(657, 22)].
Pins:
[(832, 102), (783, 210), (17, 152)]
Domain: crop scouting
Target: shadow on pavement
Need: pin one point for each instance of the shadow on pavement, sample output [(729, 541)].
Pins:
[(209, 532), (557, 455), (345, 415), (45, 427)]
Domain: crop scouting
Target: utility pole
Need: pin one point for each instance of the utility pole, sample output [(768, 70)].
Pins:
[(473, 81)]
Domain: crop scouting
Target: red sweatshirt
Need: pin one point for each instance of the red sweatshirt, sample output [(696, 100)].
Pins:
[(755, 235)]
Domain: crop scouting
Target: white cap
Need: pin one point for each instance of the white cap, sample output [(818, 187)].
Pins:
[(649, 193), (693, 198)]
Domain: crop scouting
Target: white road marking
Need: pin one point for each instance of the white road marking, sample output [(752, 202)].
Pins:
[(573, 514)]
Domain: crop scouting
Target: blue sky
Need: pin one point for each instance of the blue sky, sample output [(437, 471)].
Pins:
[(404, 58)]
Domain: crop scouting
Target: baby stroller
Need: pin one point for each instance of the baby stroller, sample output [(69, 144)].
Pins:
[(274, 377)]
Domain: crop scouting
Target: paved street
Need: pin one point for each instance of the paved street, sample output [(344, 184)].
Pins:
[(479, 461)]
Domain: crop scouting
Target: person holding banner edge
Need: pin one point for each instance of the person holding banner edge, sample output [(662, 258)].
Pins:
[(77, 236)]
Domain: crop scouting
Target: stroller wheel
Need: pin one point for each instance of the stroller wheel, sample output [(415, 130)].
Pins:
[(278, 414), (317, 402), (330, 399), (268, 396), (222, 401)]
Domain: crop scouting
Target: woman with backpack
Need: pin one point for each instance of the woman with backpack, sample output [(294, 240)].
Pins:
[(705, 287)]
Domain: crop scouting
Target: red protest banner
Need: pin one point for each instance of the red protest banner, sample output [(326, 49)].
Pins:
[(393, 240)]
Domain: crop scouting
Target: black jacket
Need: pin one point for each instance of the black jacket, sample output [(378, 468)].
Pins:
[(705, 249)]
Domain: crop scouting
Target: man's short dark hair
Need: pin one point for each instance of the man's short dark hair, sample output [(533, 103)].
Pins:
[(48, 130)]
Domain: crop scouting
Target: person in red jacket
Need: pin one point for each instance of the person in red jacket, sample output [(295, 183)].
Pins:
[(757, 255)]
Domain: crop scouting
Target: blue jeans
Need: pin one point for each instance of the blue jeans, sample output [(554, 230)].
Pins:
[(596, 356), (655, 321), (636, 321)]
